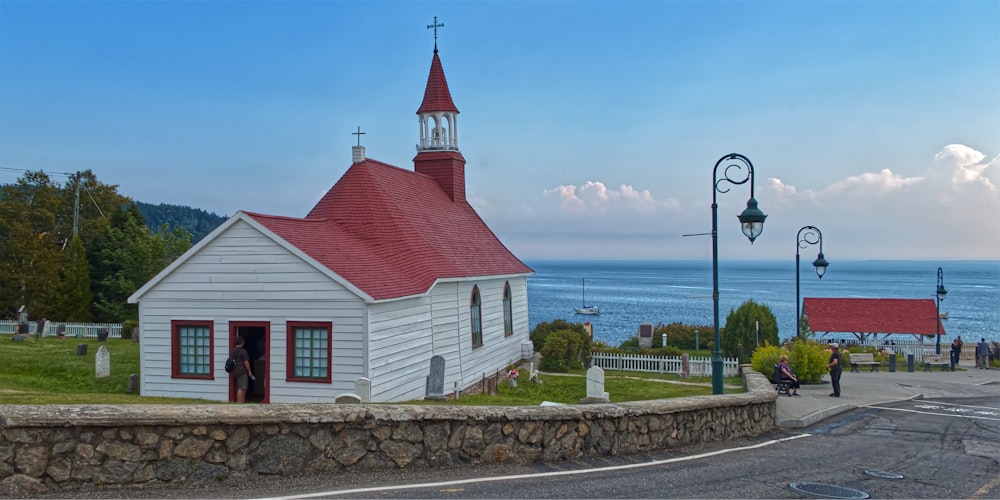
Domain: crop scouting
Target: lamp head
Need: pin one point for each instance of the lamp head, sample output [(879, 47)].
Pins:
[(820, 264), (941, 292), (752, 220)]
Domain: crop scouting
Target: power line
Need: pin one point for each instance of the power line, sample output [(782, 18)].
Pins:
[(24, 171)]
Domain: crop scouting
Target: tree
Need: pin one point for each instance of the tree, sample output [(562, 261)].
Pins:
[(128, 257), (74, 291), (29, 248), (740, 338)]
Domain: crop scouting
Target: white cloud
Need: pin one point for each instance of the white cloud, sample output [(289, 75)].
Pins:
[(941, 209), (967, 166), (596, 197)]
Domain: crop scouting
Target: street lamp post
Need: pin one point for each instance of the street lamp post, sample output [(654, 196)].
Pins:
[(811, 236), (752, 222), (941, 293)]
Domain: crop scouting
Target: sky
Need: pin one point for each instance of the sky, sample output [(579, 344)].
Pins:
[(591, 130)]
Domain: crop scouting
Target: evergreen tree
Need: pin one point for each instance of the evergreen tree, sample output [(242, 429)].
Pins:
[(74, 292), (740, 337)]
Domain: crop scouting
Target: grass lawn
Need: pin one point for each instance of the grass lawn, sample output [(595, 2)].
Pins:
[(48, 371)]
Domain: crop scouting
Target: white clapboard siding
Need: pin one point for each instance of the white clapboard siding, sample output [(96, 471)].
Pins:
[(497, 351), (399, 348), (241, 275)]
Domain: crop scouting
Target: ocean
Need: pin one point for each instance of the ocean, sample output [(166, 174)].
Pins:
[(634, 292)]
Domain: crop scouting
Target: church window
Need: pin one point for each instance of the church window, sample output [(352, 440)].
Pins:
[(508, 311), (476, 315)]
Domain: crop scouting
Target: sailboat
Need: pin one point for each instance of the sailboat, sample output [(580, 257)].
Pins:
[(591, 310)]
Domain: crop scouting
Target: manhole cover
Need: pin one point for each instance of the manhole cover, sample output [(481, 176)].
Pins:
[(884, 474), (828, 490)]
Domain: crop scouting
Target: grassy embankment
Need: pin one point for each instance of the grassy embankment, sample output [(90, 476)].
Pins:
[(48, 371)]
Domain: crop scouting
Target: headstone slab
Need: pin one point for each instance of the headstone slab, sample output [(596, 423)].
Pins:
[(363, 388), (81, 349), (133, 384), (102, 363), (646, 335), (348, 399), (435, 381), (595, 386)]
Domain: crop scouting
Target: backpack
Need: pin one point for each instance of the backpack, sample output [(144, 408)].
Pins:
[(230, 364)]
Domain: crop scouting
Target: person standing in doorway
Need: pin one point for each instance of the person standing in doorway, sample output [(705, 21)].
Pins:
[(242, 370), (835, 368), (983, 354)]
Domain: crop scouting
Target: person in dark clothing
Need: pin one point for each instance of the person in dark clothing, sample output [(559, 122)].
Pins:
[(242, 369), (956, 350), (835, 367)]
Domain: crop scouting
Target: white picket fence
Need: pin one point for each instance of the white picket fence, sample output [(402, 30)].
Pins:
[(905, 347), (698, 367), (80, 330)]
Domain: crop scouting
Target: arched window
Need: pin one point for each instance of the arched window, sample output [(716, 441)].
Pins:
[(476, 316), (508, 311)]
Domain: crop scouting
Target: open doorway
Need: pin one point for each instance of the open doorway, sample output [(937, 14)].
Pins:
[(256, 335)]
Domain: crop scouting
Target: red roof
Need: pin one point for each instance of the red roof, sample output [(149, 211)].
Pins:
[(436, 95), (392, 232), (915, 316)]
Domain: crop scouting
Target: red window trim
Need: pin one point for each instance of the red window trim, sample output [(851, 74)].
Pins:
[(290, 350), (175, 348)]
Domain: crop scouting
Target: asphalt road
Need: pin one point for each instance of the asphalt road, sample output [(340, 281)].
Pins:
[(939, 449)]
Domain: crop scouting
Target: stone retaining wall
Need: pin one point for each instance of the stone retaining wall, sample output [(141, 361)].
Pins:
[(61, 448)]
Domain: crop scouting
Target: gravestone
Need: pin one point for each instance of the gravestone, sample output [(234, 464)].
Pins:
[(102, 335), (363, 388), (18, 338), (435, 381), (61, 330), (102, 363), (81, 349), (595, 386), (348, 399), (23, 329), (646, 335), (133, 384)]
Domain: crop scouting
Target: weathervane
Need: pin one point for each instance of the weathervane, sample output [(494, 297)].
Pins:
[(359, 133), (435, 27)]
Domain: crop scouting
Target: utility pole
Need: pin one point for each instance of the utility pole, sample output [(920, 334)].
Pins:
[(76, 206)]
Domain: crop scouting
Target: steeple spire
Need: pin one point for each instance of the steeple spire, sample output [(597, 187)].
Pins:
[(435, 26)]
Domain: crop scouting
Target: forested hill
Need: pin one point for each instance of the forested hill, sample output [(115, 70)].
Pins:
[(194, 220)]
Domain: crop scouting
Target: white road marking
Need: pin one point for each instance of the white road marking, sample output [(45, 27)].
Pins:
[(441, 484), (943, 411)]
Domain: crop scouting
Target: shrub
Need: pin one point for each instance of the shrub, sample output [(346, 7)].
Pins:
[(764, 359), (808, 360), (561, 351), (540, 333)]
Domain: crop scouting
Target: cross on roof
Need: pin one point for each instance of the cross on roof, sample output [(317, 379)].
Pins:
[(359, 133), (435, 27)]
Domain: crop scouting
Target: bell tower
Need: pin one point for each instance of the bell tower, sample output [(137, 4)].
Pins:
[(437, 153)]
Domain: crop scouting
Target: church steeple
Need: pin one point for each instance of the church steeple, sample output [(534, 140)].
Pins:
[(437, 153), (438, 114)]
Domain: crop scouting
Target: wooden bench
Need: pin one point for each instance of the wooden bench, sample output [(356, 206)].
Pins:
[(936, 359), (863, 358)]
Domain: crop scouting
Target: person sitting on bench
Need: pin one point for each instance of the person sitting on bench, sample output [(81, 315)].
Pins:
[(786, 374)]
